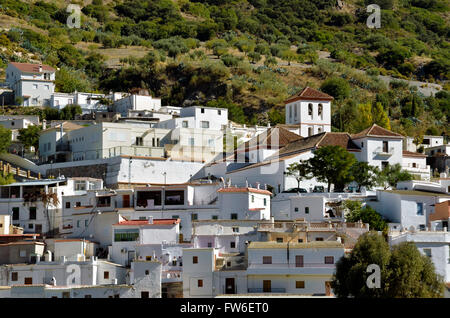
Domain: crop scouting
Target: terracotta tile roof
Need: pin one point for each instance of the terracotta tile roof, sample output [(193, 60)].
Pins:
[(309, 93), (413, 154), (264, 163), (320, 140), (277, 137), (252, 190), (66, 126), (145, 222), (32, 68), (376, 131)]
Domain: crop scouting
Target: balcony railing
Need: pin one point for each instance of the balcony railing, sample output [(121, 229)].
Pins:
[(384, 152), (290, 265), (63, 147), (268, 290)]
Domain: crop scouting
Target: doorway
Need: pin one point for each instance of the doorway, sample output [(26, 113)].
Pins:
[(229, 286), (126, 200), (267, 286), (328, 290)]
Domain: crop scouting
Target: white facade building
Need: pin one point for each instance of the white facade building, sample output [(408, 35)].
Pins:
[(310, 110), (34, 83)]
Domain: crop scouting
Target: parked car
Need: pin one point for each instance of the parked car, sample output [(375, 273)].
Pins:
[(295, 190), (319, 189)]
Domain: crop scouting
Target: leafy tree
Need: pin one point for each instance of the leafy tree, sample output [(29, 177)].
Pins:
[(351, 271), (69, 80), (364, 118), (6, 179), (235, 112), (380, 117), (364, 175), (288, 55), (254, 57), (404, 271), (336, 87), (332, 164), (392, 174), (5, 139), (69, 112), (364, 214), (412, 275), (299, 171), (29, 136)]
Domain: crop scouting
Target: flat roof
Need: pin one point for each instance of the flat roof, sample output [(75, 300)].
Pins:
[(34, 183), (418, 192), (315, 244)]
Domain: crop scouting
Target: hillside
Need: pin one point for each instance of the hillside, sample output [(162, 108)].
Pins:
[(248, 55)]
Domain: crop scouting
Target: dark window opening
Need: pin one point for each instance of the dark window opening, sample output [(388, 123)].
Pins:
[(148, 198), (174, 197)]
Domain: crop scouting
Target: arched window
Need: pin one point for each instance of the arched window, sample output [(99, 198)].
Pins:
[(310, 109), (320, 110)]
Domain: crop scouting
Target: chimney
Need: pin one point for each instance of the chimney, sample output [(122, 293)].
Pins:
[(150, 220)]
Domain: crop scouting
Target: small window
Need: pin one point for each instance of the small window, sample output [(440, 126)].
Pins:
[(194, 216), (362, 145), (86, 223), (310, 109), (215, 217), (427, 251), (319, 239), (300, 240), (194, 259), (28, 281), (253, 198), (145, 294), (14, 277), (235, 229), (15, 213), (320, 110), (184, 124), (265, 202), (296, 209), (279, 240), (307, 210), (32, 213), (300, 284), (419, 208), (209, 244), (219, 112), (67, 205), (234, 216), (105, 275), (205, 124), (267, 259), (202, 110), (200, 283), (329, 259), (148, 258), (232, 244), (147, 272), (77, 204)]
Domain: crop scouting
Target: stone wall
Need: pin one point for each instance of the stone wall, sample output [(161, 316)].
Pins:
[(97, 171)]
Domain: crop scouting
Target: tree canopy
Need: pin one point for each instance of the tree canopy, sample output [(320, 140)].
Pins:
[(332, 165), (404, 271)]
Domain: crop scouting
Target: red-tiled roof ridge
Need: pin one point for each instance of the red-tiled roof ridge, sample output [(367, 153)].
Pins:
[(309, 93), (322, 139), (413, 154), (376, 131), (31, 67)]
